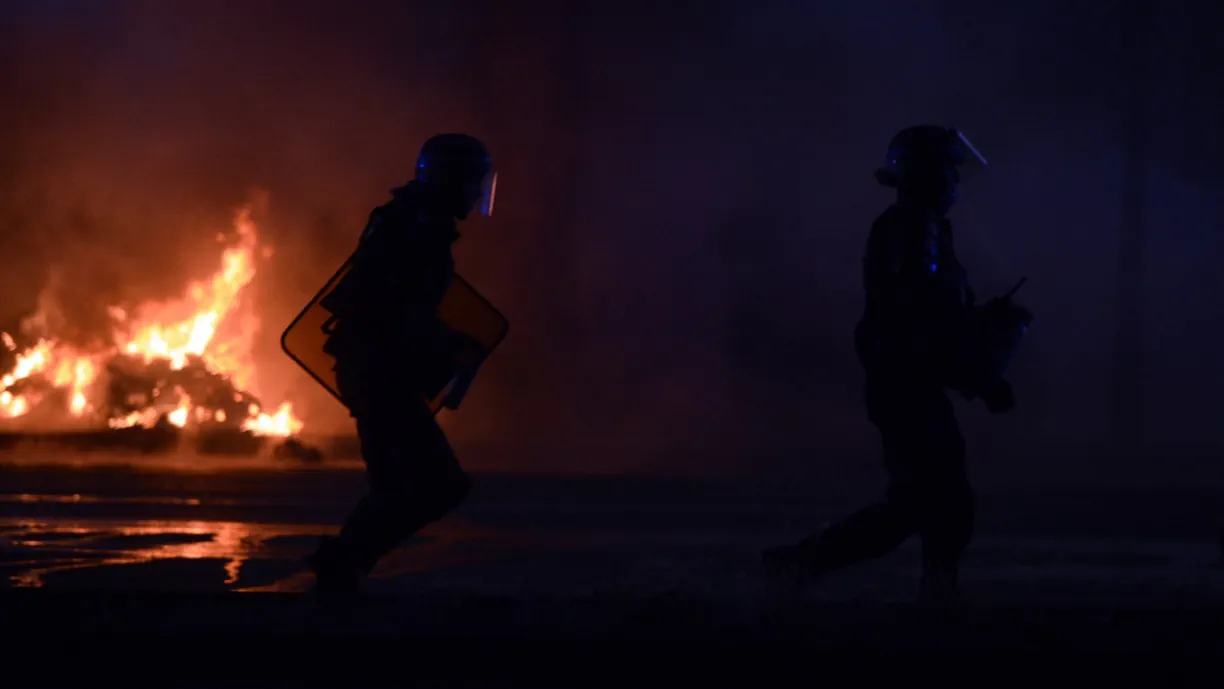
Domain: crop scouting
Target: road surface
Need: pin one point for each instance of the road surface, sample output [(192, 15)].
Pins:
[(145, 556)]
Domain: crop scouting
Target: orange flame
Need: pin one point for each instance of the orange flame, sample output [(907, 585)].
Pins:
[(211, 323)]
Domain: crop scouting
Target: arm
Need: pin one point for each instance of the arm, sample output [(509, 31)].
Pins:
[(1001, 326), (886, 274), (471, 355), (459, 388), (982, 361)]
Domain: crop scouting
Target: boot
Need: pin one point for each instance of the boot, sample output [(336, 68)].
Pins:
[(336, 571)]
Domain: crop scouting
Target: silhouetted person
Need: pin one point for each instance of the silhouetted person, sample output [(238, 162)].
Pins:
[(919, 335), (393, 354)]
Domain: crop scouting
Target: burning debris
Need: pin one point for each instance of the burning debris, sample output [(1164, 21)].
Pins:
[(293, 449), (184, 364), (149, 392)]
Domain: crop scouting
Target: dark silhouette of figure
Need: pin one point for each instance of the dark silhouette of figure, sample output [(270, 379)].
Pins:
[(920, 334), (393, 354)]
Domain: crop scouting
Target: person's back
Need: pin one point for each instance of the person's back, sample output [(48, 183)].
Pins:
[(916, 297), (387, 331)]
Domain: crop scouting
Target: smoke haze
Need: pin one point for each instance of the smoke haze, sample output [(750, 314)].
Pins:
[(685, 192)]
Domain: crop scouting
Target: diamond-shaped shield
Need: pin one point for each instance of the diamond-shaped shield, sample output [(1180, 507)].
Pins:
[(463, 310)]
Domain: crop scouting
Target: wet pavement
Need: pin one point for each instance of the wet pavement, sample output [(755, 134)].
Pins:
[(248, 530), (104, 555)]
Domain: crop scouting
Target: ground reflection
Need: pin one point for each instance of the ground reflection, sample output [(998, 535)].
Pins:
[(78, 499), (42, 547), (180, 552)]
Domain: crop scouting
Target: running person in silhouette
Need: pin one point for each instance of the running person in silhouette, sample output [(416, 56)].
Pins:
[(915, 341), (387, 343)]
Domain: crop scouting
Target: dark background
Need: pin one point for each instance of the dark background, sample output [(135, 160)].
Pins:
[(685, 191)]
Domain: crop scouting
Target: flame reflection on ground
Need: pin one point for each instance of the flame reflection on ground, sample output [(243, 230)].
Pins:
[(184, 553), (545, 536), (174, 462), (38, 548)]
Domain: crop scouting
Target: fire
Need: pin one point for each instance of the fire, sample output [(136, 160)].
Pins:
[(183, 362)]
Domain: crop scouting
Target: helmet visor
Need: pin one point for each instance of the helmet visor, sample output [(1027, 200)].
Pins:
[(488, 194), (955, 152), (969, 161)]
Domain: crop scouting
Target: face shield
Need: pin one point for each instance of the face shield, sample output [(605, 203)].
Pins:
[(969, 161), (488, 194), (457, 167)]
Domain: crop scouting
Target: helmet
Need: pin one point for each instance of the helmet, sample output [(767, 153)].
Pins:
[(458, 167), (926, 149)]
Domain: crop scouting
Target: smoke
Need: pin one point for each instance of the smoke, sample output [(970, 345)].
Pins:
[(143, 127), (685, 192)]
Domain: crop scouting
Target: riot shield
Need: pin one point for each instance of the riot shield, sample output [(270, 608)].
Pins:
[(463, 310)]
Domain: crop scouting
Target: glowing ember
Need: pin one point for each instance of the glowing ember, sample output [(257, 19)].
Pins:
[(185, 362)]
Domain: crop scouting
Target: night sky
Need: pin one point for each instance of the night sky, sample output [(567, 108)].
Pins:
[(685, 191)]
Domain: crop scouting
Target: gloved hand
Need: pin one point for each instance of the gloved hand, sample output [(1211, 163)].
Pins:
[(998, 397), (1007, 311), (459, 389)]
